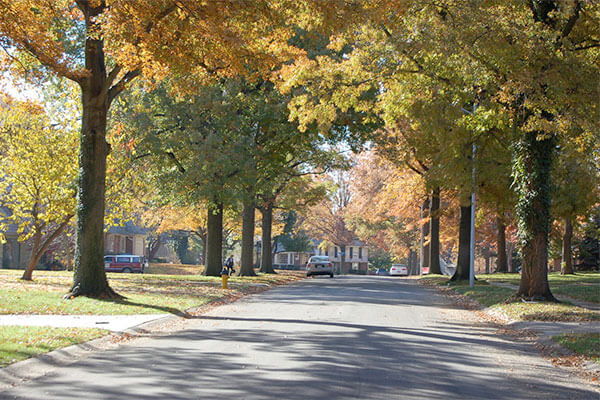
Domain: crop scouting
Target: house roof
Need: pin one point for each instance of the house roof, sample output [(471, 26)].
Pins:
[(128, 228)]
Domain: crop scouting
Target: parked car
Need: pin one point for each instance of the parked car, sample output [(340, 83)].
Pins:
[(399, 270), (125, 263), (319, 265), (381, 271)]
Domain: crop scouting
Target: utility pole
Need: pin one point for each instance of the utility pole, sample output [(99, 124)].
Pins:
[(472, 255)]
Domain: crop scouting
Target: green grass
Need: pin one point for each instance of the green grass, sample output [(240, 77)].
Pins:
[(20, 342), (583, 286), (51, 302), (500, 298), (145, 293), (587, 344)]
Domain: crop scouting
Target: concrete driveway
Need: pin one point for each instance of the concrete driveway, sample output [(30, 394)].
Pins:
[(344, 338)]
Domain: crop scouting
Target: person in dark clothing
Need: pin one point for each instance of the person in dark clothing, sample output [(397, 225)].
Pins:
[(229, 265)]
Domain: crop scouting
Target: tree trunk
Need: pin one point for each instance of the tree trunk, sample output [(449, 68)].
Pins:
[(412, 262), (214, 240), (40, 248), (567, 258), (342, 258), (464, 245), (501, 261), (89, 277), (266, 260), (153, 247), (486, 256), (532, 175), (35, 257), (434, 241), (248, 220), (424, 253)]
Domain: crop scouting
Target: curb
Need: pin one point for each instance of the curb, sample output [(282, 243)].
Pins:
[(543, 341), (43, 364)]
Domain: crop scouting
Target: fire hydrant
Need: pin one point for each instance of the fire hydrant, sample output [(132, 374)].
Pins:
[(224, 278)]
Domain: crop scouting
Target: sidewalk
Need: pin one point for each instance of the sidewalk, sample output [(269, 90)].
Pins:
[(114, 323)]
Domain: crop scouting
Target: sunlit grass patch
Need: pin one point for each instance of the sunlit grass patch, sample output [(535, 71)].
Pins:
[(587, 344), (21, 342), (145, 293)]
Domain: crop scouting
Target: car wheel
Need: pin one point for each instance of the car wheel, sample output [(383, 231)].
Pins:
[(126, 270)]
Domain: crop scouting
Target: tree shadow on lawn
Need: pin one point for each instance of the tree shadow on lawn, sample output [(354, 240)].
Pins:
[(164, 309)]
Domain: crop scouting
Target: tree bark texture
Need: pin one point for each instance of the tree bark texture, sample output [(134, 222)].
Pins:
[(434, 241), (214, 240), (266, 259), (464, 245), (532, 175), (89, 277), (424, 253), (501, 260), (567, 257), (248, 220)]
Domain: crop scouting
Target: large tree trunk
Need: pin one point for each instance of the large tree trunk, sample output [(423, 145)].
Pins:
[(266, 260), (532, 175), (567, 258), (89, 277), (501, 261), (464, 245), (424, 253), (214, 240), (39, 248), (248, 220), (434, 241)]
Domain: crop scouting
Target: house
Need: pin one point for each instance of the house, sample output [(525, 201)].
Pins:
[(13, 253), (126, 239), (356, 257), (284, 259)]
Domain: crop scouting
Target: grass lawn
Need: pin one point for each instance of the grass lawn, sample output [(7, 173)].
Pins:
[(497, 298), (145, 293), (583, 286), (20, 342), (587, 344)]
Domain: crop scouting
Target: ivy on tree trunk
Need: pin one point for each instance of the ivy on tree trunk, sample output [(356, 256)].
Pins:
[(533, 161)]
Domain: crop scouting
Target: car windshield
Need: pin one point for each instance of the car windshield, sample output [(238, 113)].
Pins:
[(319, 259)]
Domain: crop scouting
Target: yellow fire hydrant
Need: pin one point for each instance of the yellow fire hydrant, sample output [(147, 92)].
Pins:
[(224, 278)]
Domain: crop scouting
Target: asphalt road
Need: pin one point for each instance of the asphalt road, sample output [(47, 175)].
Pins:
[(342, 338)]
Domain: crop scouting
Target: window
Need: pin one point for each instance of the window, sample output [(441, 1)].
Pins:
[(123, 259), (136, 259), (360, 252), (351, 252), (336, 251)]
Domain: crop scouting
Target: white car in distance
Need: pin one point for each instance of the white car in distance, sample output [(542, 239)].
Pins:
[(399, 270), (319, 265)]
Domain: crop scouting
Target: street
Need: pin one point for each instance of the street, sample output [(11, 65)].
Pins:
[(350, 337)]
